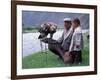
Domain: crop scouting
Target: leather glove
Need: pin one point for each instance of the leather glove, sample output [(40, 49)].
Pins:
[(49, 41)]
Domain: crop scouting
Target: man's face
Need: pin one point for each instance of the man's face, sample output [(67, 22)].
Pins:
[(67, 24)]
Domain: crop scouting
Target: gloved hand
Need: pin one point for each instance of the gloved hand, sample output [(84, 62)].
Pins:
[(49, 41)]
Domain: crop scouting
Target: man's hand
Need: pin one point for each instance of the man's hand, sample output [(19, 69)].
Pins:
[(67, 57)]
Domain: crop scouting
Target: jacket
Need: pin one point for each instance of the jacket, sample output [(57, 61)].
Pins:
[(65, 39), (77, 40)]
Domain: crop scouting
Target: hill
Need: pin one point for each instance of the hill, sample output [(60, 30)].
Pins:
[(33, 19)]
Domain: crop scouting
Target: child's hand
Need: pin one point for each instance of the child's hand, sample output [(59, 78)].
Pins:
[(77, 46)]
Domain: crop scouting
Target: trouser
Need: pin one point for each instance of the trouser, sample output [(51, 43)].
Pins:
[(76, 56), (56, 49)]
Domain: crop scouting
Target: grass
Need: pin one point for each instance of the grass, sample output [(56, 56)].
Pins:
[(30, 30), (39, 60)]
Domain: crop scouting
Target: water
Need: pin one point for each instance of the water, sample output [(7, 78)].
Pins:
[(31, 43)]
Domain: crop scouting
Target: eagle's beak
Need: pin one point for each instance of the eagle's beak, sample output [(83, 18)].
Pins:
[(39, 37)]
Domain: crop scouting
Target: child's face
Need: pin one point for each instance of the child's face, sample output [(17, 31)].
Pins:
[(74, 24)]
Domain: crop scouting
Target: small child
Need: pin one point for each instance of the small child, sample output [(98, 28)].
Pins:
[(76, 45)]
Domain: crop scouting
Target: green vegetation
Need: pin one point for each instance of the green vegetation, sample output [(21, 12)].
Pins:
[(34, 29), (30, 30), (38, 60)]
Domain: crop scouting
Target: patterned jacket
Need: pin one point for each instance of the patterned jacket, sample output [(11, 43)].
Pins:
[(77, 40)]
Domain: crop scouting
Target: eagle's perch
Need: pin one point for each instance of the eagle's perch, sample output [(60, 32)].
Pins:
[(45, 29)]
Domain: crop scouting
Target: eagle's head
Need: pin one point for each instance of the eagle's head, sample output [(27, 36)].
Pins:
[(47, 28)]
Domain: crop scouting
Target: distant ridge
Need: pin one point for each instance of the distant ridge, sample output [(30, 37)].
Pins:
[(33, 19)]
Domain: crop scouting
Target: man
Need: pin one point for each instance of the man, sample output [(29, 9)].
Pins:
[(63, 44), (76, 45)]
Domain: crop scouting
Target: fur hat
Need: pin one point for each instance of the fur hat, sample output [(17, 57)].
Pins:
[(67, 19)]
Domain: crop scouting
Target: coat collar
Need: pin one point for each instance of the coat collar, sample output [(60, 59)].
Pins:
[(67, 33)]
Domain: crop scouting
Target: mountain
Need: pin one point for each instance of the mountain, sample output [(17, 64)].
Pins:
[(36, 18)]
